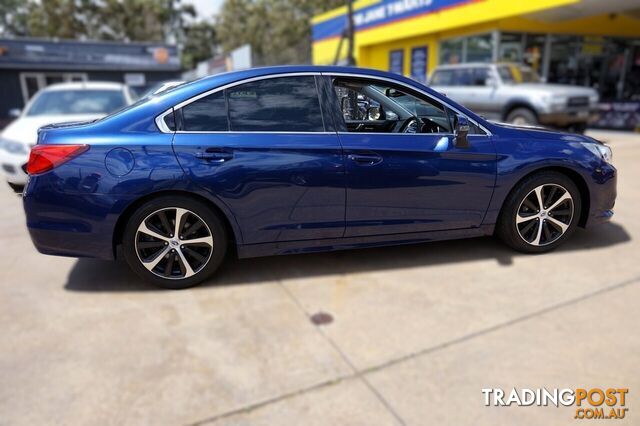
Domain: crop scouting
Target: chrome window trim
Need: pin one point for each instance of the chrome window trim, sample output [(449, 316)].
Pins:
[(161, 123), (289, 132), (164, 129)]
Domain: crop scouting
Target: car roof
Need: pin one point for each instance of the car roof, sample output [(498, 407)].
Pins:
[(86, 85)]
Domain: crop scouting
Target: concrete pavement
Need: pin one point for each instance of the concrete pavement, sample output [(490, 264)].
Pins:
[(417, 331)]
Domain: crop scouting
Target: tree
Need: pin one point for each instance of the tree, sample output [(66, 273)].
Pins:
[(279, 31), (199, 43), (13, 17)]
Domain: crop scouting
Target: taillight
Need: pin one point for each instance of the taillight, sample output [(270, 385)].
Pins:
[(46, 157)]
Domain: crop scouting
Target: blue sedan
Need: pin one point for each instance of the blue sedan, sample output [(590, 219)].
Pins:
[(300, 159)]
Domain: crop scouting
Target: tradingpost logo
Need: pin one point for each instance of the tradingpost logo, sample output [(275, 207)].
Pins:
[(594, 403)]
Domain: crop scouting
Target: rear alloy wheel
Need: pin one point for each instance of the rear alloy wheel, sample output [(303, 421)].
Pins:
[(540, 213), (176, 245)]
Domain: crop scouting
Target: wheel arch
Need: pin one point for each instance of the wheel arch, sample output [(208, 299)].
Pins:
[(118, 231), (576, 178)]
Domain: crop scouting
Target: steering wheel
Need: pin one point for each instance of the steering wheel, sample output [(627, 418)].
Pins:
[(411, 125)]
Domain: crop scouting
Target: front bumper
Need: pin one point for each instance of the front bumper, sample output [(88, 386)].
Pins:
[(566, 118), (12, 167), (603, 194)]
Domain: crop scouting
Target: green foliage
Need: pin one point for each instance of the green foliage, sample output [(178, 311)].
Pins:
[(199, 43), (278, 31)]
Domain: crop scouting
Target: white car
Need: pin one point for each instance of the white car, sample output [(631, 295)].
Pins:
[(65, 102)]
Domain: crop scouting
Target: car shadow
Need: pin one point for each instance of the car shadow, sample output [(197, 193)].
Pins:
[(89, 275)]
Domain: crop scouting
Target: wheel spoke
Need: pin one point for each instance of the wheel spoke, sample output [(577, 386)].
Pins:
[(538, 192), (562, 226), (552, 194), (150, 244), (528, 227), (202, 240), (180, 214), (193, 228), (165, 222), (195, 254), (152, 263), (168, 268), (146, 230), (565, 196), (538, 237), (187, 270), (546, 231), (521, 219)]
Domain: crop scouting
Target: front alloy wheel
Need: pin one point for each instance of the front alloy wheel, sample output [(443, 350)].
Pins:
[(544, 215), (540, 213)]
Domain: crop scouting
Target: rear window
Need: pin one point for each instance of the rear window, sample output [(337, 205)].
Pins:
[(67, 102)]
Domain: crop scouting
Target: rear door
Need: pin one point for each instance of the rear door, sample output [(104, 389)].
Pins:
[(269, 153)]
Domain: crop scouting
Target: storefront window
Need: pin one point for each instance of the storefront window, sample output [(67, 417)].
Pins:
[(451, 51), (510, 47), (479, 48)]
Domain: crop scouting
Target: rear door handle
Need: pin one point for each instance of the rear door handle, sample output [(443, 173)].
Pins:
[(215, 155), (369, 159)]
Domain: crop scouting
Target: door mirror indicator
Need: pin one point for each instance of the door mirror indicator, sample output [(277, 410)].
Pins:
[(461, 131)]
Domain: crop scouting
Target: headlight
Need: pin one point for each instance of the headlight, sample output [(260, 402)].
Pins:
[(600, 150), (13, 147)]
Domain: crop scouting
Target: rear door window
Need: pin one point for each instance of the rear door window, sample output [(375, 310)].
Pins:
[(281, 104), (208, 114)]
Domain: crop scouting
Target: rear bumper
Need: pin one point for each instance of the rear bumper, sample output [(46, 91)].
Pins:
[(75, 225)]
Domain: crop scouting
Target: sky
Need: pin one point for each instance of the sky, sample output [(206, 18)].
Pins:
[(206, 8)]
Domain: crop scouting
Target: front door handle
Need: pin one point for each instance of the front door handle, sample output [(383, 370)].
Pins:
[(369, 159), (215, 155)]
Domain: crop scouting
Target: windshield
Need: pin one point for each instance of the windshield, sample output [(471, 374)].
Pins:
[(66, 102), (512, 74)]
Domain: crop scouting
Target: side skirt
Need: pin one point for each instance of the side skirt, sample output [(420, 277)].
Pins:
[(332, 244)]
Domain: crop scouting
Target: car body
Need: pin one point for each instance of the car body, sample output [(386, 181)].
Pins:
[(514, 93), (286, 160), (77, 101)]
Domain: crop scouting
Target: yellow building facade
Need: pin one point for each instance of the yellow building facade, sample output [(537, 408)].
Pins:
[(586, 42)]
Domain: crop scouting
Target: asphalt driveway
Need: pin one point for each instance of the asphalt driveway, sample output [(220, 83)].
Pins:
[(407, 335)]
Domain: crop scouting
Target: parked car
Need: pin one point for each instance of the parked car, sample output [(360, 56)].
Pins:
[(515, 94), (57, 103), (271, 161)]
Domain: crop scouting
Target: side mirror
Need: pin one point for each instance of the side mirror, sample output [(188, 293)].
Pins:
[(461, 131), (491, 82), (14, 112)]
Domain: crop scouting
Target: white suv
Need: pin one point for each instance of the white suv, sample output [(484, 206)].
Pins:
[(515, 94), (57, 103)]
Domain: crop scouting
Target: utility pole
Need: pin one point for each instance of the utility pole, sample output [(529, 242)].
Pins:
[(348, 34)]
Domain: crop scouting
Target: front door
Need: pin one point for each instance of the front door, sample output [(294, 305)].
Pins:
[(404, 173), (262, 148)]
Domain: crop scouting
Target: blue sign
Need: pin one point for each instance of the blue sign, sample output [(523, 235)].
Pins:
[(396, 61), (380, 13), (419, 63)]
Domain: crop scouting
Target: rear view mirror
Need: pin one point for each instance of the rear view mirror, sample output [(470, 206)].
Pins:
[(461, 131)]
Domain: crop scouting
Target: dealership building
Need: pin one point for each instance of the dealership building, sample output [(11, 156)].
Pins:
[(592, 43), (28, 65)]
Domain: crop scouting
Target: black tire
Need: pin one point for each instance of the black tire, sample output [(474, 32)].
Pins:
[(522, 116), (208, 262), (513, 234)]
